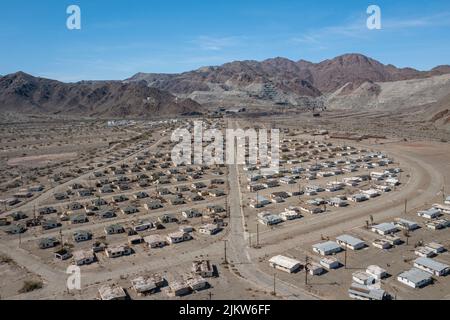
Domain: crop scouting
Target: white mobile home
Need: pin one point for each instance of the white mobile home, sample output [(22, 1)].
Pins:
[(197, 283), (315, 269), (406, 224), (384, 228), (289, 215), (284, 263), (83, 257), (363, 278), (269, 219), (447, 200), (177, 237), (350, 242), (209, 229), (362, 292), (444, 208), (330, 263), (118, 251), (415, 278), (114, 292), (424, 252), (435, 247), (326, 248), (432, 213), (432, 266), (155, 241), (377, 272), (144, 285), (381, 244)]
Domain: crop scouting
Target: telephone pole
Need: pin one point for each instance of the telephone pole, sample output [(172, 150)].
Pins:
[(225, 251), (226, 208), (257, 199), (345, 257), (406, 204), (274, 285), (257, 234), (299, 190), (307, 265), (61, 239)]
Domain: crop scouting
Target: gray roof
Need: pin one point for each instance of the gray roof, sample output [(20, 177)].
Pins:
[(82, 233), (371, 293), (431, 211), (415, 275), (406, 222), (327, 246), (431, 264), (349, 240), (385, 226)]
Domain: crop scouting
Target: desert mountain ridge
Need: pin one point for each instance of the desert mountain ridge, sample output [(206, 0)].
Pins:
[(278, 78), (23, 93), (350, 81)]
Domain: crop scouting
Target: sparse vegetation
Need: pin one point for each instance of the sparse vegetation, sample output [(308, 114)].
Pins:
[(5, 259), (31, 285)]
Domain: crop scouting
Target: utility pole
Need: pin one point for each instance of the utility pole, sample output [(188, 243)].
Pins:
[(257, 199), (406, 203), (307, 265), (274, 285), (225, 251), (345, 257), (257, 234), (226, 208)]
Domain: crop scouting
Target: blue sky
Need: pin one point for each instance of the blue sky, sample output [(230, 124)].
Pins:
[(121, 37)]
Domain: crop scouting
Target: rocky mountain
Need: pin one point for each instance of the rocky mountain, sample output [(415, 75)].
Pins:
[(351, 81), (21, 92), (392, 95), (282, 80), (439, 112)]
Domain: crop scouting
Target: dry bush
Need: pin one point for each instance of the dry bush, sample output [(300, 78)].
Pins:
[(31, 285)]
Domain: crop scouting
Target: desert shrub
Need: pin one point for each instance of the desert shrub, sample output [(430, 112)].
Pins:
[(5, 259), (32, 285)]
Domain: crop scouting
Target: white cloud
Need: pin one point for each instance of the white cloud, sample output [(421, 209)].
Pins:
[(216, 43), (437, 20), (357, 29)]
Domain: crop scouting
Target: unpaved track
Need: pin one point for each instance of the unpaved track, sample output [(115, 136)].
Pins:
[(239, 254), (63, 187), (424, 184)]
